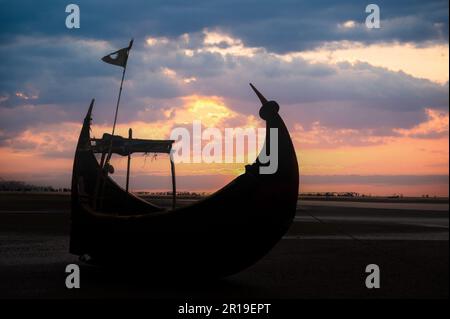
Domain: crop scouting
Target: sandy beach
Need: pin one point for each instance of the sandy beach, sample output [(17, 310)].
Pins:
[(323, 255)]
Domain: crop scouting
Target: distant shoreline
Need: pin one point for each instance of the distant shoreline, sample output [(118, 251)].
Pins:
[(384, 199)]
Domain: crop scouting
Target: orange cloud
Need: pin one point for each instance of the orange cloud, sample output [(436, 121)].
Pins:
[(402, 155), (437, 123)]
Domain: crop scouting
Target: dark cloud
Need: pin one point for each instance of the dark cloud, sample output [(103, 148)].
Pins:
[(67, 72), (279, 26)]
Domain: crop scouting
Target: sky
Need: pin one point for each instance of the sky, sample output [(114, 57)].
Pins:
[(367, 109)]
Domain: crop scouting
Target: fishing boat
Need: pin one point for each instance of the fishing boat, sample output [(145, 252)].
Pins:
[(216, 236)]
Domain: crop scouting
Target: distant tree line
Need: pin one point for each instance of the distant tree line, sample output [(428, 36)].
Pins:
[(334, 194), (183, 194), (19, 186)]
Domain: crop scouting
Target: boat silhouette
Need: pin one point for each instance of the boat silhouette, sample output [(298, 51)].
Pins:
[(219, 235)]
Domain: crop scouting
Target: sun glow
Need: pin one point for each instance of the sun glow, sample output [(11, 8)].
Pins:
[(209, 110)]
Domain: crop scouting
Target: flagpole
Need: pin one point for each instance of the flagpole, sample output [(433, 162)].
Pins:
[(118, 100), (117, 106), (115, 118)]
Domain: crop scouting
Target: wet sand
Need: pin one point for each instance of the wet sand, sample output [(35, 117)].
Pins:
[(324, 255)]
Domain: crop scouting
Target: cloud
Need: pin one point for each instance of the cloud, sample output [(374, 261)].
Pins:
[(51, 140), (435, 126), (393, 56), (281, 26), (66, 72), (14, 120)]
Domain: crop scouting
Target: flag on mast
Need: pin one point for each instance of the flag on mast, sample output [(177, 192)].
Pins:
[(119, 57)]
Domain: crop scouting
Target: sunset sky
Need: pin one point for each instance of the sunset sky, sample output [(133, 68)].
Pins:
[(367, 108)]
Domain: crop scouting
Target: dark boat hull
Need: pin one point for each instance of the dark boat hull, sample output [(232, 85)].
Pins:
[(217, 236)]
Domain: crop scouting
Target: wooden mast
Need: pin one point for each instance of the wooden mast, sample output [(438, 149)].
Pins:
[(174, 185), (130, 137)]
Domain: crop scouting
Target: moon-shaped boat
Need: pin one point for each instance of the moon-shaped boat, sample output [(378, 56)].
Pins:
[(217, 236)]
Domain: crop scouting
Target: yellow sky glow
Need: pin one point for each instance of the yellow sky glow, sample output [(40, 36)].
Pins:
[(431, 62)]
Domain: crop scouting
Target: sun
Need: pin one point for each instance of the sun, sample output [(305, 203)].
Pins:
[(209, 110)]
